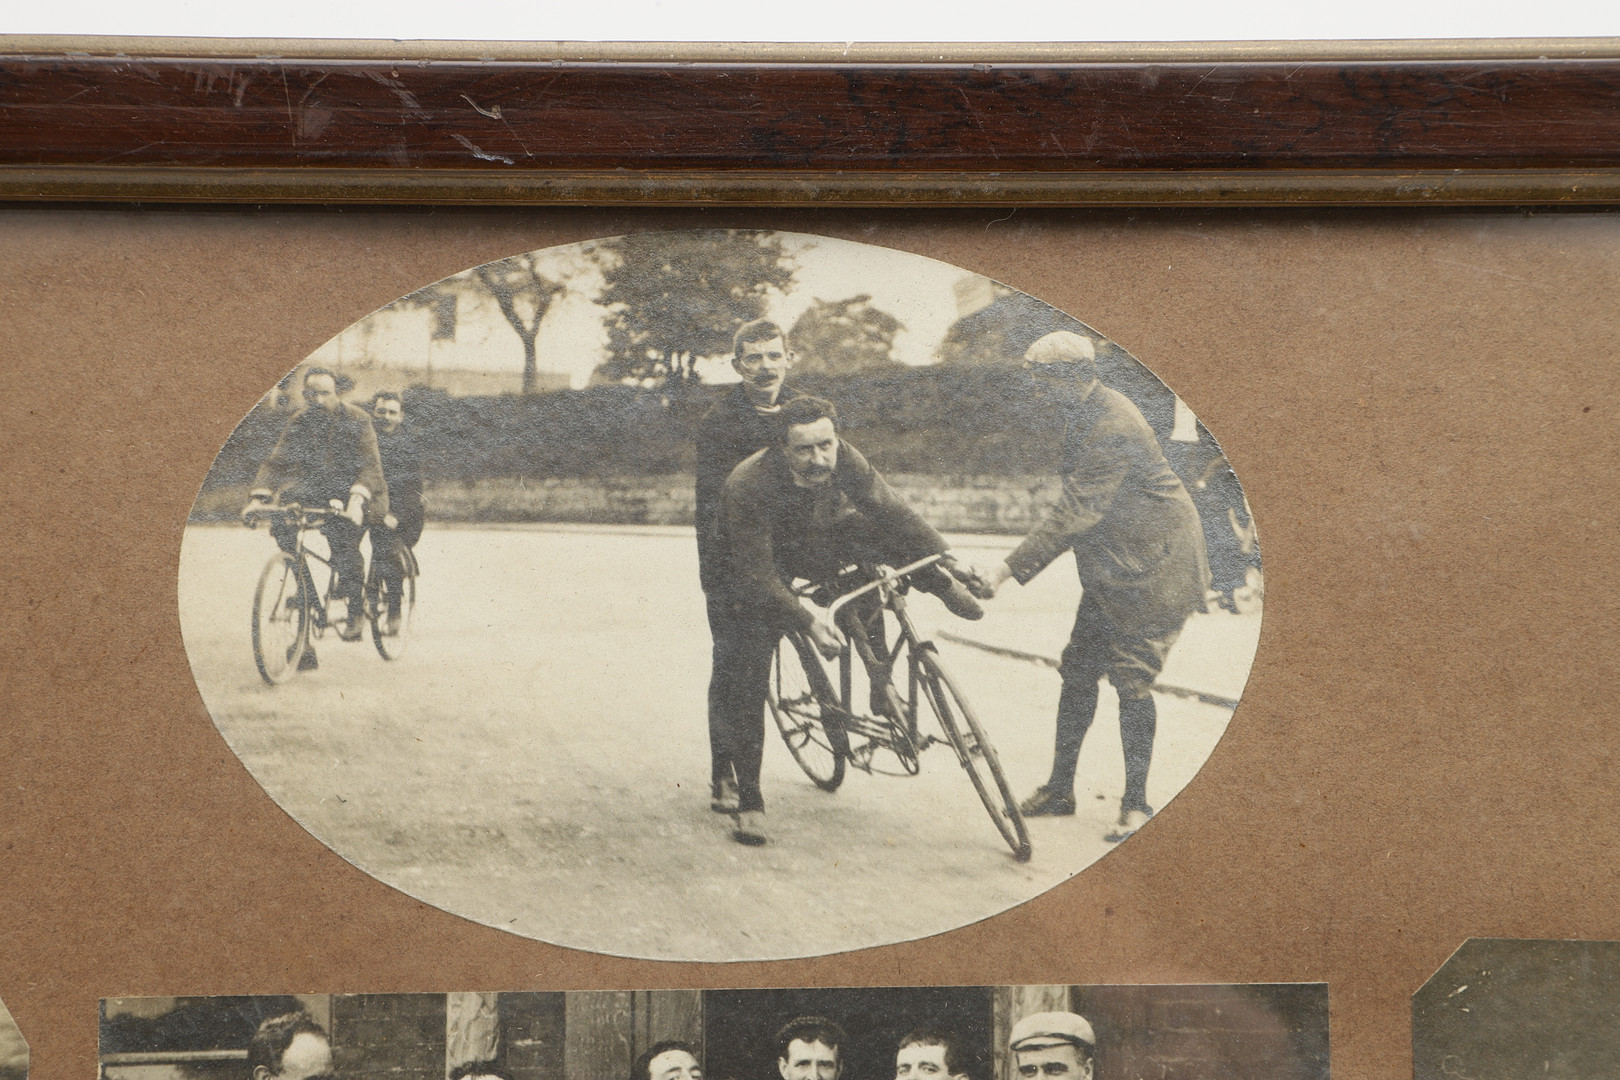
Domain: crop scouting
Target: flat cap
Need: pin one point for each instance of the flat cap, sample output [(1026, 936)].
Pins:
[(1062, 347), (1038, 1031)]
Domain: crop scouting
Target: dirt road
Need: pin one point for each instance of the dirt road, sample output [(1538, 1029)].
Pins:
[(538, 760)]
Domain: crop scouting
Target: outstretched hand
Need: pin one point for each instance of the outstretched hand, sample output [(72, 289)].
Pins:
[(978, 581), (982, 583), (355, 511)]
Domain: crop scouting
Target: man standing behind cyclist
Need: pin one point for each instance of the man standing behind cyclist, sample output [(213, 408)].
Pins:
[(806, 508), (743, 423), (327, 456), (401, 526), (1139, 547)]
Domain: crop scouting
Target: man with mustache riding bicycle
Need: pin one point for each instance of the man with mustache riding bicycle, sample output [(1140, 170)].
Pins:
[(807, 508)]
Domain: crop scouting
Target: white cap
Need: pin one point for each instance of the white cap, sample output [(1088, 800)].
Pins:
[(1062, 347), (1040, 1031)]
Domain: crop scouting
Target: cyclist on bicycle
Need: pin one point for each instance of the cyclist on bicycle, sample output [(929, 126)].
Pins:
[(806, 508), (401, 526), (327, 456)]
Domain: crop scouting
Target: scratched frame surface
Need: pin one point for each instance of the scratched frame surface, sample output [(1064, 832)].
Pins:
[(1468, 123)]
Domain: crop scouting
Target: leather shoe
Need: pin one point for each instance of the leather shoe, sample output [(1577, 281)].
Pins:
[(750, 828), (723, 800), (353, 625), (1129, 821), (308, 661), (1047, 803), (959, 602)]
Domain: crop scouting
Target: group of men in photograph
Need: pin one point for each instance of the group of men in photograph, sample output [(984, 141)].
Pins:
[(365, 466), (781, 496), (1042, 1046)]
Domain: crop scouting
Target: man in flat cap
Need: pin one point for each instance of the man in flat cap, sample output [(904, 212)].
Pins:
[(1053, 1046), (1139, 547)]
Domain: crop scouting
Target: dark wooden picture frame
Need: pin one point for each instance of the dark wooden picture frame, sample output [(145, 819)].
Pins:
[(1263, 124), (1431, 468)]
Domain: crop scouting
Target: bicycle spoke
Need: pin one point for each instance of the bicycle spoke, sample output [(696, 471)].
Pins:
[(279, 627), (974, 753), (802, 702)]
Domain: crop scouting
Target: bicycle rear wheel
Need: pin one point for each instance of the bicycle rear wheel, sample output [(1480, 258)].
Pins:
[(391, 617), (975, 753), (280, 620), (806, 710)]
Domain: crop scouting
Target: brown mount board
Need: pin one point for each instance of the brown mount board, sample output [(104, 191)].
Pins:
[(1420, 405), (1055, 130)]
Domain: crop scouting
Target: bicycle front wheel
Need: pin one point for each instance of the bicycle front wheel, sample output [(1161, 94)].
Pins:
[(280, 620), (801, 699), (393, 605), (975, 753)]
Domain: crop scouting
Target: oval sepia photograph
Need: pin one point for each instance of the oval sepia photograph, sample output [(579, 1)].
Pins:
[(753, 571)]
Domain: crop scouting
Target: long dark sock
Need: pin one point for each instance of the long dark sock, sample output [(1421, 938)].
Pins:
[(1077, 704), (1138, 723)]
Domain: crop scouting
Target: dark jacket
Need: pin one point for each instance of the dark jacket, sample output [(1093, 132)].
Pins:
[(728, 433), (402, 469), (1136, 536), (323, 455), (777, 531)]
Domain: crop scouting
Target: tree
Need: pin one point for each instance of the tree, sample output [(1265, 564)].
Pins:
[(524, 296), (839, 337), (675, 297)]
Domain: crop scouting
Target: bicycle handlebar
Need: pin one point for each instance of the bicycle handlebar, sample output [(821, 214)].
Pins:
[(885, 576), (303, 515)]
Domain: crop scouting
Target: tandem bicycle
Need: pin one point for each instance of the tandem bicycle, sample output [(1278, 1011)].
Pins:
[(290, 610)]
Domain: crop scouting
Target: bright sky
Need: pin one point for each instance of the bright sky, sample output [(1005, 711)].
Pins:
[(916, 290)]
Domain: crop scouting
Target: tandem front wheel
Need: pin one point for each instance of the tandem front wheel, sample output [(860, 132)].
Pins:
[(280, 620)]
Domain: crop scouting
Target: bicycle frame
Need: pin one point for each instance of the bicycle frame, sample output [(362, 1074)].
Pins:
[(818, 721), (900, 736), (306, 520)]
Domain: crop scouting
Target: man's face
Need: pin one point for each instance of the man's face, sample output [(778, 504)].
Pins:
[(763, 365), (810, 1061), (674, 1065), (920, 1062), (812, 451), (1053, 1063), (320, 392), (308, 1057), (389, 414)]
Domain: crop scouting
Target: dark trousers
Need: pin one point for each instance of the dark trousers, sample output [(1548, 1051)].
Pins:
[(386, 545), (343, 537), (739, 679), (1131, 662)]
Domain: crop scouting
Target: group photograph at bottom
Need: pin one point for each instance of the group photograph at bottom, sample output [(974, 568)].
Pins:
[(1253, 1031)]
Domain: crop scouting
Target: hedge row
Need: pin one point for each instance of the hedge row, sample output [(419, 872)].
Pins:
[(945, 420)]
